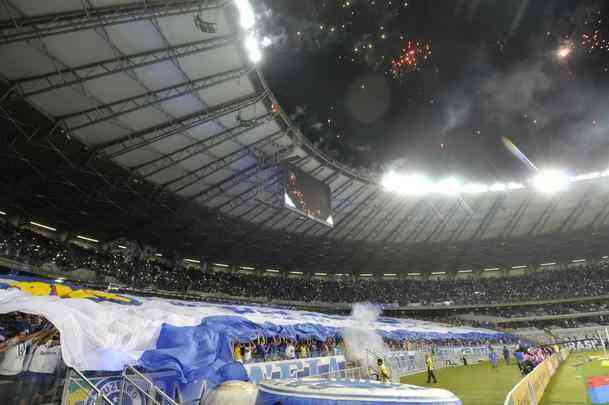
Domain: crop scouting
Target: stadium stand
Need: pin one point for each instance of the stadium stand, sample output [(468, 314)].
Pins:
[(144, 268)]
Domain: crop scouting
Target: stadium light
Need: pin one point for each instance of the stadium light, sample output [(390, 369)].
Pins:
[(272, 270), (296, 272), (266, 42), (519, 267), (438, 273), (548, 264), (414, 274), (390, 274), (498, 187), (195, 261), (605, 257), (247, 268), (465, 271), (88, 239), (321, 274), (122, 247), (449, 186), (475, 188), (413, 184), (253, 48), (39, 225), (515, 186), (492, 269), (587, 176), (365, 275), (551, 181), (578, 260), (247, 18), (158, 255), (3, 213), (220, 265)]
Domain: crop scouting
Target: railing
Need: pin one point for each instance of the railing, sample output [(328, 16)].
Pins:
[(94, 395), (354, 373), (146, 388), (531, 388)]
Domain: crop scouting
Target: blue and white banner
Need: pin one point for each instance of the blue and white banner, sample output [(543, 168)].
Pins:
[(299, 368), (105, 331)]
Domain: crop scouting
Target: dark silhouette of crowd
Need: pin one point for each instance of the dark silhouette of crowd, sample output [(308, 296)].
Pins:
[(140, 267)]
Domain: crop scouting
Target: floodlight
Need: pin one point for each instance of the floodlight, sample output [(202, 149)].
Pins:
[(247, 18), (550, 181), (475, 188), (498, 187), (449, 186), (414, 184)]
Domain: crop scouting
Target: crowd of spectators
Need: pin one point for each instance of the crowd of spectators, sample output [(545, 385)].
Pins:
[(31, 366), (139, 267)]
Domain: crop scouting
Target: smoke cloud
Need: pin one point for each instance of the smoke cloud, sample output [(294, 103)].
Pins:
[(363, 337)]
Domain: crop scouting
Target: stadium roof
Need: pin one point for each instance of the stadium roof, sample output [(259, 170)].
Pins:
[(125, 118)]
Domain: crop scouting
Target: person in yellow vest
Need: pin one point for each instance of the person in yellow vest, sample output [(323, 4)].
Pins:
[(430, 373), (383, 374), (237, 353)]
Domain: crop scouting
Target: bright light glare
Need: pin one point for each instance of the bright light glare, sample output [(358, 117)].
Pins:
[(563, 52), (247, 18), (475, 188), (251, 44), (550, 181), (266, 42), (414, 184), (498, 187), (449, 186)]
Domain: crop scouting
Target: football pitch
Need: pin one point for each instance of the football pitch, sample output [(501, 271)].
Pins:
[(480, 384), (568, 386)]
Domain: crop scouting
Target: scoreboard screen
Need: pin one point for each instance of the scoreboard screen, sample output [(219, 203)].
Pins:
[(307, 195)]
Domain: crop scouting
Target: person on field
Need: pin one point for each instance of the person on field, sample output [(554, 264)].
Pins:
[(430, 369), (492, 355), (383, 374), (506, 355)]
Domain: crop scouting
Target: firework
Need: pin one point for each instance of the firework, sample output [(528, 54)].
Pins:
[(414, 55)]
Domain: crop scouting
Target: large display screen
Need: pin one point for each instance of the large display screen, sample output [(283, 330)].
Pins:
[(307, 195)]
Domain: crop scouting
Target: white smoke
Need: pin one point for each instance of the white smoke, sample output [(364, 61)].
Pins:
[(362, 337)]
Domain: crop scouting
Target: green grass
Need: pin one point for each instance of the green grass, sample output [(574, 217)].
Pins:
[(478, 384), (568, 386)]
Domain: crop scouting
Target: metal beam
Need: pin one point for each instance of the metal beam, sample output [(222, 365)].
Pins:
[(577, 211), (444, 222), (176, 126), (405, 222), (420, 227), (232, 180), (402, 202), (33, 85), (515, 219), (31, 27), (213, 167), (360, 226), (348, 216), (456, 235), (125, 106), (488, 218), (198, 147), (545, 215)]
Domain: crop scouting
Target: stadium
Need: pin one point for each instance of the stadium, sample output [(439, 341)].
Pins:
[(262, 202)]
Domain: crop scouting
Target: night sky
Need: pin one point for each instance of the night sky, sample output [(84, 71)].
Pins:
[(432, 85)]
